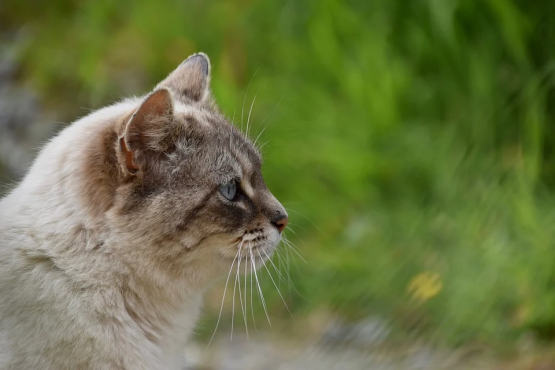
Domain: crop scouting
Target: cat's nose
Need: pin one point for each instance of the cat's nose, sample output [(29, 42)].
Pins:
[(281, 222)]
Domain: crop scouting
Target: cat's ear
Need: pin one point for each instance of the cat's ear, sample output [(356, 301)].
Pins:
[(149, 130), (191, 80)]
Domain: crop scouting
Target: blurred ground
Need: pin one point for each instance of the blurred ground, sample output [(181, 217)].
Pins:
[(270, 352)]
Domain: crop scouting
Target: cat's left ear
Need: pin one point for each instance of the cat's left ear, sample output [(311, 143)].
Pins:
[(149, 131), (190, 82)]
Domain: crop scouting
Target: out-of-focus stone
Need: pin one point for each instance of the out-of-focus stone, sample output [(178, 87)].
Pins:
[(369, 332), (23, 125)]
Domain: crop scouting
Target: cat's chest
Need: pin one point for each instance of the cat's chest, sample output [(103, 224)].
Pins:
[(177, 333)]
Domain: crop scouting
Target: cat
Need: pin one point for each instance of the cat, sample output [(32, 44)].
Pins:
[(120, 225)]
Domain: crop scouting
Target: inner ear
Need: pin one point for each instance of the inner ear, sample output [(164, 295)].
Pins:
[(191, 80), (149, 129)]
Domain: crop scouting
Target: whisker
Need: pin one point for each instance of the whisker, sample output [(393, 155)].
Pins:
[(233, 304), (271, 278), (286, 204), (280, 268), (263, 145), (261, 132), (288, 264), (245, 98), (256, 280), (223, 298), (287, 248), (233, 117), (289, 282), (292, 247), (243, 308), (249, 118), (293, 259), (243, 108), (260, 289), (278, 272), (272, 110), (308, 219), (291, 227), (289, 242), (252, 308)]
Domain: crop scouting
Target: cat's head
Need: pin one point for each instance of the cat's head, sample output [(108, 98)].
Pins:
[(190, 186)]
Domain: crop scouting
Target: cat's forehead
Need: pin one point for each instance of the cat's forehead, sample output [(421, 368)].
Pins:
[(219, 136), (185, 112)]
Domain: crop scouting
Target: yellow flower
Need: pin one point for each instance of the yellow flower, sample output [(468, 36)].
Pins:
[(425, 286)]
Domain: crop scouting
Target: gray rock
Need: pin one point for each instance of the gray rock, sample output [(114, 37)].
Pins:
[(23, 125), (369, 332)]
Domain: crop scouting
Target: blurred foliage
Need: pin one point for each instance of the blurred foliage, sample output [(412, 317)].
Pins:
[(406, 138)]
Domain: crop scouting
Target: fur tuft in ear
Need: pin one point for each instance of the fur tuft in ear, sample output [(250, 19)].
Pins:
[(190, 81), (149, 129)]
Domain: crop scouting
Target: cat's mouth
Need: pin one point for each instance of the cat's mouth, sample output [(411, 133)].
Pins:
[(253, 239), (256, 245), (255, 249), (250, 256)]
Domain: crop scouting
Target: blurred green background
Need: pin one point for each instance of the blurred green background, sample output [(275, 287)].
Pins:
[(413, 142)]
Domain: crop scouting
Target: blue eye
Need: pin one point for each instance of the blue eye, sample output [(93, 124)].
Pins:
[(229, 190)]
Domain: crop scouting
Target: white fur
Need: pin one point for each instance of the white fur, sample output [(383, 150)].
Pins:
[(41, 304)]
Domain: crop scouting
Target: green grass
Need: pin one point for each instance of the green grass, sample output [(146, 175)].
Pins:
[(404, 136)]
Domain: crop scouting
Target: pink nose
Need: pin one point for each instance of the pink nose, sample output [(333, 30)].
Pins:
[(281, 224)]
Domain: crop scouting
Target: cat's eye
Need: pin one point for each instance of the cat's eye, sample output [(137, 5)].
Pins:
[(229, 190)]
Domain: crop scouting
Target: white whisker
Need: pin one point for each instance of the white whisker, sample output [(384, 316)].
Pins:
[(261, 132), (243, 307), (252, 308), (260, 289), (249, 118), (233, 118), (288, 264), (289, 228), (292, 247), (275, 268), (289, 242), (233, 304), (271, 278), (279, 268), (245, 98), (288, 281), (223, 298), (272, 110), (308, 219), (243, 108), (289, 248), (263, 145)]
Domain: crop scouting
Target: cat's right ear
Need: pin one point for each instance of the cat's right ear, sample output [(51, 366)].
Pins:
[(149, 131), (190, 82)]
